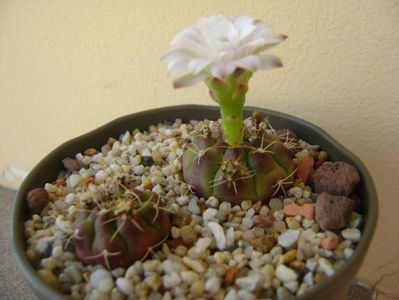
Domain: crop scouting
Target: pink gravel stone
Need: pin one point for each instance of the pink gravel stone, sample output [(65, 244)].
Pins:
[(306, 210), (330, 242)]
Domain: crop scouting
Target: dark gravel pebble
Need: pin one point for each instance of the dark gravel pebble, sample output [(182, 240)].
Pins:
[(72, 164), (37, 199), (336, 178), (147, 161), (333, 212)]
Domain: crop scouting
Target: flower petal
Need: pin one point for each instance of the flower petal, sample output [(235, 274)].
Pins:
[(222, 70), (269, 62), (177, 66), (250, 62), (188, 80), (196, 65)]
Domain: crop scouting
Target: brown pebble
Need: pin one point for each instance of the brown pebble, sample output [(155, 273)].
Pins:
[(264, 243), (263, 221), (336, 178), (72, 164), (319, 277), (230, 276), (297, 265), (90, 151), (37, 199), (333, 212)]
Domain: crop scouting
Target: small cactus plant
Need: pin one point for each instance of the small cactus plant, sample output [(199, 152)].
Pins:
[(261, 168), (117, 232), (224, 52)]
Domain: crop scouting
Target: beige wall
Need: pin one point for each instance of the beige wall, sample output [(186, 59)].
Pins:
[(67, 67)]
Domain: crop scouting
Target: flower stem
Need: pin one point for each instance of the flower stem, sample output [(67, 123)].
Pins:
[(232, 124), (230, 95)]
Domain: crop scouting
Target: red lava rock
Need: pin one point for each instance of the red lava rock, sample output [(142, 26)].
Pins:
[(330, 242), (333, 212), (305, 168), (37, 199), (72, 164), (336, 178), (306, 210), (263, 221)]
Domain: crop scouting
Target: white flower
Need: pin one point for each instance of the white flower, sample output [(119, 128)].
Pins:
[(217, 45)]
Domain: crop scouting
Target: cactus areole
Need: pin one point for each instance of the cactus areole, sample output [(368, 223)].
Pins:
[(224, 52), (119, 231)]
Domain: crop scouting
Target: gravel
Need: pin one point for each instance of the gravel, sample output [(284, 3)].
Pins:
[(276, 248)]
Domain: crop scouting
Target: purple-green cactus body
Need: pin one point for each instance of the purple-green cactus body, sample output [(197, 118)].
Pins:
[(117, 239), (259, 169)]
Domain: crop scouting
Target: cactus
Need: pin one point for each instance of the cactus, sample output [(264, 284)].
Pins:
[(260, 168), (119, 231)]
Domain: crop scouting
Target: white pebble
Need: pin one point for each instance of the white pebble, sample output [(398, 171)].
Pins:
[(203, 244), (73, 180), (146, 152), (193, 206), (243, 294), (308, 279), (285, 274), (218, 234), (209, 214), (311, 264), (171, 280), (348, 253), (125, 286), (295, 192), (189, 277), (230, 237), (288, 238), (247, 204), (292, 286), (101, 280), (352, 234), (182, 200), (224, 210), (69, 198), (101, 176), (275, 204), (74, 273), (248, 283), (51, 188), (194, 264), (231, 295), (57, 251), (326, 267), (212, 285), (212, 202), (138, 170)]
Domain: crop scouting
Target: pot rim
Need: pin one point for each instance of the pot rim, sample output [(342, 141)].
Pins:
[(17, 240)]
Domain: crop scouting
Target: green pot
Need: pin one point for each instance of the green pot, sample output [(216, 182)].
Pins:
[(334, 287)]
